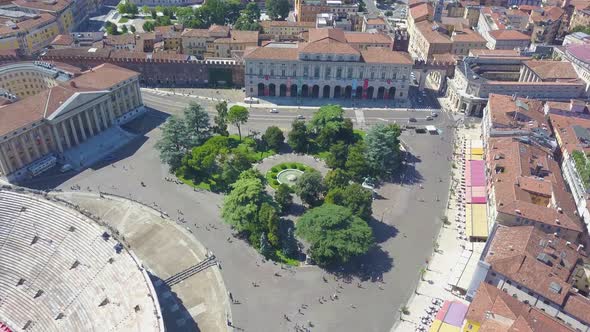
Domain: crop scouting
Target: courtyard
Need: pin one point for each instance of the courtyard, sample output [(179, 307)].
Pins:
[(405, 223)]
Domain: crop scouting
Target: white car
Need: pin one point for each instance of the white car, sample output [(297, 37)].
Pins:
[(274, 110), (300, 117)]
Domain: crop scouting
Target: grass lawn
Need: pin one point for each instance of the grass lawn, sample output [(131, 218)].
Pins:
[(123, 20), (271, 175), (281, 258), (322, 155), (202, 185), (248, 147)]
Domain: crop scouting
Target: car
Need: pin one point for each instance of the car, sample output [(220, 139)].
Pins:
[(424, 93), (429, 118), (300, 117), (274, 110), (412, 120), (66, 168), (434, 114)]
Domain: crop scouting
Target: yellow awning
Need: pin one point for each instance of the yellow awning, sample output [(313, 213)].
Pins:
[(476, 220), (439, 326)]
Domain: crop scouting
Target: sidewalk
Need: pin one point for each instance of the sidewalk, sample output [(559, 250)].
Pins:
[(448, 249)]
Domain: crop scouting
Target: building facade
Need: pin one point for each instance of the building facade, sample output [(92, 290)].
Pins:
[(65, 116), (327, 67)]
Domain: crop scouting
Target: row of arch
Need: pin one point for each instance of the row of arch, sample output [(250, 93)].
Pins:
[(327, 91)]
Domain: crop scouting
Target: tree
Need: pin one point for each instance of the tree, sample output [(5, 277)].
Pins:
[(277, 9), (330, 126), (289, 243), (389, 13), (132, 28), (238, 115), (233, 165), (383, 153), (325, 116), (197, 124), (309, 187), (221, 119), (581, 28), (298, 139), (249, 18), (274, 138), (111, 28), (174, 143), (336, 178), (358, 199), (145, 10), (268, 216), (338, 155), (154, 14), (124, 29), (241, 205), (335, 234), (265, 247), (283, 197), (356, 164), (148, 26), (362, 7)]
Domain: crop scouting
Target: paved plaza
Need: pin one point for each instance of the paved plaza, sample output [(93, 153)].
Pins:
[(406, 222)]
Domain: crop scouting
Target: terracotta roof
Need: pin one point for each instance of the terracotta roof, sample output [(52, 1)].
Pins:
[(501, 53), (272, 53), (123, 39), (45, 103), (505, 34), (567, 127), (244, 36), (376, 21), (382, 55), (521, 114), (63, 40), (552, 70), (517, 160), (467, 36), (81, 52), (367, 38), (534, 259), (579, 307), (432, 36), (326, 34), (497, 311), (195, 33), (29, 24), (51, 6), (579, 51), (219, 29), (549, 13), (421, 11)]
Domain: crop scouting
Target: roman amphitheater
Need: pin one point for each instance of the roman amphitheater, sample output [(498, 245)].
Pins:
[(61, 271)]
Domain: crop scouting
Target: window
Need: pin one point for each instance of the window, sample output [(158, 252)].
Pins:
[(316, 72), (328, 73), (372, 74), (338, 72), (305, 71), (349, 73), (260, 71)]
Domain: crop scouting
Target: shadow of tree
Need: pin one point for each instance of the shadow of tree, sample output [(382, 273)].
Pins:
[(176, 316), (382, 231), (368, 267)]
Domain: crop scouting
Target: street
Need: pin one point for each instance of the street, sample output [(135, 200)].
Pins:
[(405, 222)]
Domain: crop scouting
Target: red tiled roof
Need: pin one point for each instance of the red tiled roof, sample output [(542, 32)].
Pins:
[(63, 40), (381, 55), (579, 307), (50, 6), (552, 70), (520, 253), (505, 34)]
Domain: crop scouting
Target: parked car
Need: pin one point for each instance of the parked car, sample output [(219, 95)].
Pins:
[(274, 110), (300, 117), (412, 120)]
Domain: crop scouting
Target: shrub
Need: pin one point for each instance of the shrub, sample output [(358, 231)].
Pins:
[(274, 169), (301, 167), (275, 182), (293, 165), (284, 166)]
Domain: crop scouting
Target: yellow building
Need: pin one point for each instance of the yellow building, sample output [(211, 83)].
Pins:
[(29, 36)]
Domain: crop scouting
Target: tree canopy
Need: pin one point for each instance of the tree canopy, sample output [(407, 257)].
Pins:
[(277, 9), (220, 119), (238, 115), (249, 18), (309, 187), (335, 234), (358, 199), (274, 138), (382, 152), (298, 139), (179, 135)]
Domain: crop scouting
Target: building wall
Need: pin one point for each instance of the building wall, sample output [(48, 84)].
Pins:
[(23, 146), (580, 18), (324, 73)]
